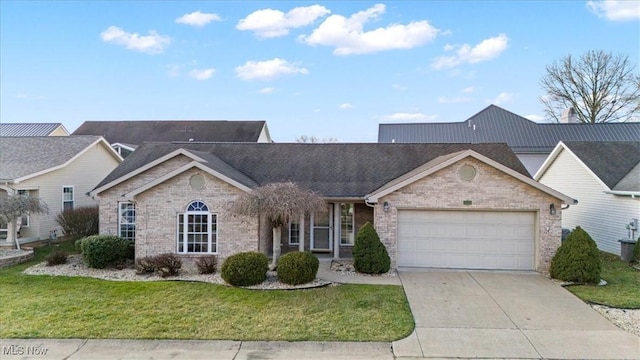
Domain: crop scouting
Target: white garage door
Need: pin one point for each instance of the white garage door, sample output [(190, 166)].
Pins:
[(466, 239)]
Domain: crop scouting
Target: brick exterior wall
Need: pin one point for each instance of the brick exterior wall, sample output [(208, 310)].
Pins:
[(157, 209), (491, 189)]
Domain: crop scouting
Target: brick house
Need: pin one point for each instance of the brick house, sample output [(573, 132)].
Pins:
[(433, 205)]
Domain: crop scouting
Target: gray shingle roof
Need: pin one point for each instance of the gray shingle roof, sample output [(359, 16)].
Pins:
[(494, 124), (333, 170), (28, 129), (610, 161), (22, 156), (137, 132)]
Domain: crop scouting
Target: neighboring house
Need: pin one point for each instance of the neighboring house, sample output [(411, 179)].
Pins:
[(605, 176), (126, 136), (60, 170), (532, 142), (33, 129), (433, 205)]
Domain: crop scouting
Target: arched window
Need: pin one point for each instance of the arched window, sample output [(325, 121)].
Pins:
[(197, 229)]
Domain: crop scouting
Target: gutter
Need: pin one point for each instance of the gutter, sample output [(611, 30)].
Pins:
[(632, 194)]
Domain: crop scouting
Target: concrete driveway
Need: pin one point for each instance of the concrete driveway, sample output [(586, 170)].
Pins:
[(465, 314)]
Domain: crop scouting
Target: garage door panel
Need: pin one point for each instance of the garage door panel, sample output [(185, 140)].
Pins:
[(466, 239)]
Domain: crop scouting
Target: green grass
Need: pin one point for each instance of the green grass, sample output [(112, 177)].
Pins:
[(623, 285), (74, 307)]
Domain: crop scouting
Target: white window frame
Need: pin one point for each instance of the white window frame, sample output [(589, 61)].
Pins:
[(352, 235), (211, 217), (291, 241), (73, 197), (120, 217), (26, 219)]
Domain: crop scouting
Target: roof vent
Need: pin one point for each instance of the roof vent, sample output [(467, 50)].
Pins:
[(191, 140), (569, 116)]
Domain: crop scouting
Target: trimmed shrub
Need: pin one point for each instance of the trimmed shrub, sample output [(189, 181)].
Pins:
[(296, 268), (145, 265), (167, 264), (56, 258), (100, 251), (245, 268), (370, 256), (79, 222), (207, 264), (636, 251), (577, 259)]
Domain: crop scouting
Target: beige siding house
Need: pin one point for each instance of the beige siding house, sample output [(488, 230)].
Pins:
[(605, 177), (433, 205), (32, 129), (59, 170)]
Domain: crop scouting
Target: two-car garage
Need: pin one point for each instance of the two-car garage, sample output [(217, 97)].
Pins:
[(466, 239)]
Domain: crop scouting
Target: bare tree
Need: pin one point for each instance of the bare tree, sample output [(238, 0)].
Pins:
[(601, 87), (13, 207), (304, 139), (279, 202)]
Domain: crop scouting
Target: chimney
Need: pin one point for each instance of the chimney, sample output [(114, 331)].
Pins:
[(569, 116)]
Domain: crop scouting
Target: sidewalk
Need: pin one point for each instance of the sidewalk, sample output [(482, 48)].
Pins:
[(90, 349)]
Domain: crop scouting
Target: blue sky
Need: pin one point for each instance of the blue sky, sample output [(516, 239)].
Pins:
[(324, 69)]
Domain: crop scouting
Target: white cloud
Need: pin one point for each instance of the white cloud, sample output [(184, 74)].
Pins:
[(269, 23), (502, 98), (345, 106), (153, 43), (201, 74), (486, 50), (399, 87), (268, 69), (198, 18), (409, 116), (453, 100), (534, 117), (348, 36), (267, 90), (615, 10), (469, 89)]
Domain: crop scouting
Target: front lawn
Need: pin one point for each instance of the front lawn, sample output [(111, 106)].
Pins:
[(74, 307), (622, 290)]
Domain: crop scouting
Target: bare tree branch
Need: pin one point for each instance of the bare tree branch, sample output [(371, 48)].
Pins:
[(601, 87)]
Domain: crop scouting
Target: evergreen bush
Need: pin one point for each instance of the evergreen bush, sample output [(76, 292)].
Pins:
[(636, 251), (245, 268), (577, 259), (100, 251), (296, 268), (370, 256)]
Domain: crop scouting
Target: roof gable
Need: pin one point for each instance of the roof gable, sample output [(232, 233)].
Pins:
[(22, 158), (495, 124), (333, 170), (138, 132)]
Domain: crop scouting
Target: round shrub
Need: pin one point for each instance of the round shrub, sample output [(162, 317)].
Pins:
[(577, 259), (100, 251), (296, 268), (636, 251), (245, 269), (370, 256)]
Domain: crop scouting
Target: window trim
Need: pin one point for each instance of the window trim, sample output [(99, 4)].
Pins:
[(298, 230), (210, 232), (73, 196), (353, 225), (120, 211)]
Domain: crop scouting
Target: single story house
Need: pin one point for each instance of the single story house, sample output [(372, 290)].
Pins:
[(532, 142), (60, 170), (605, 176), (32, 129), (433, 205), (126, 136)]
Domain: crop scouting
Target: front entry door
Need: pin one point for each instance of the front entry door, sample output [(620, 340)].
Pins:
[(322, 230)]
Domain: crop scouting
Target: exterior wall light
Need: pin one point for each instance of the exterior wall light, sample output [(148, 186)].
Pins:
[(552, 209), (385, 206)]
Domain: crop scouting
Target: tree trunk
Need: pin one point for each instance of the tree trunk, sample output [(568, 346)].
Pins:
[(277, 232)]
